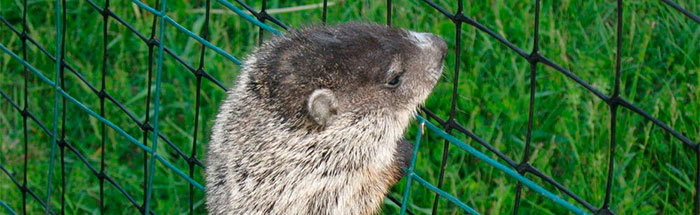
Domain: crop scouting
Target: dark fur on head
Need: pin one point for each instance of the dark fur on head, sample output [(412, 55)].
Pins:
[(315, 123), (353, 60)]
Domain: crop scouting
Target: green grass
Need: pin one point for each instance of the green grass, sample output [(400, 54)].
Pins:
[(654, 172)]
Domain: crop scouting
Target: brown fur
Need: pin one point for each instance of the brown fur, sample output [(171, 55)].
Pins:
[(274, 152)]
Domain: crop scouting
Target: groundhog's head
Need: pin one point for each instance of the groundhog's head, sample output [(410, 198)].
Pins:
[(314, 76)]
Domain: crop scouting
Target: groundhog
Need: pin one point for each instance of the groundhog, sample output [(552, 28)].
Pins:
[(315, 122)]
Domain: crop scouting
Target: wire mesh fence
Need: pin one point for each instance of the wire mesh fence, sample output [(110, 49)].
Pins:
[(152, 137)]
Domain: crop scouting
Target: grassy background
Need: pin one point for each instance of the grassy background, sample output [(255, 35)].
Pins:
[(654, 173)]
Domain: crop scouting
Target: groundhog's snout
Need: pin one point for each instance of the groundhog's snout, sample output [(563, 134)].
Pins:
[(431, 43), (440, 45), (432, 50)]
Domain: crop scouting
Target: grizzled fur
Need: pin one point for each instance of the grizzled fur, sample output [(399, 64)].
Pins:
[(270, 155)]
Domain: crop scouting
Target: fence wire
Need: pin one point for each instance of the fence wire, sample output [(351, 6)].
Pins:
[(157, 50)]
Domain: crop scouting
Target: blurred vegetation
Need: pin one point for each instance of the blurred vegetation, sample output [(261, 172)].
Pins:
[(654, 172)]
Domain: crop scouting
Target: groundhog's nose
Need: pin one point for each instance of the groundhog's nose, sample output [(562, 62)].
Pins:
[(431, 42), (439, 44)]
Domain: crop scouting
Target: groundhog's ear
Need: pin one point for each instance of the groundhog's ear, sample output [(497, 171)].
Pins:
[(322, 105)]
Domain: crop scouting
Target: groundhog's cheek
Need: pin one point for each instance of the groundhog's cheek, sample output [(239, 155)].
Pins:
[(418, 90)]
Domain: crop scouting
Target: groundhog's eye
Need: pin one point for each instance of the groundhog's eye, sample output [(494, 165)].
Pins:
[(394, 81)]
